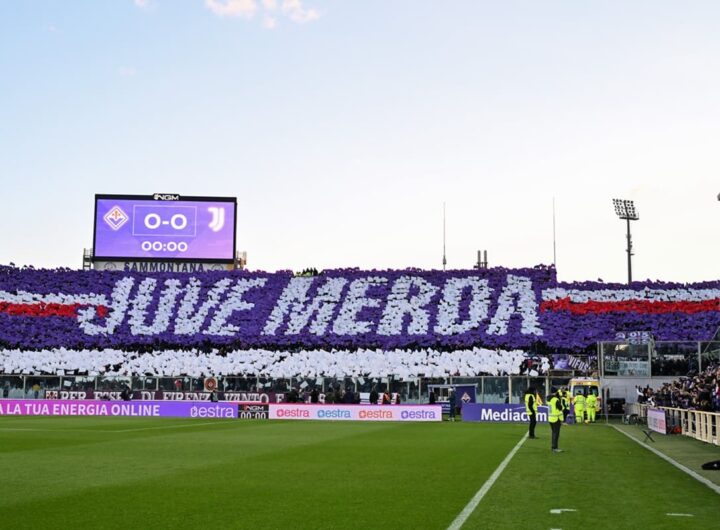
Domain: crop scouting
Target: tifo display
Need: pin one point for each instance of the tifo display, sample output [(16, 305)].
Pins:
[(342, 309), (275, 364)]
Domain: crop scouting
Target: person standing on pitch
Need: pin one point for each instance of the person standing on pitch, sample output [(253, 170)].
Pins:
[(579, 406), (531, 406), (452, 401), (590, 404), (565, 399), (555, 418)]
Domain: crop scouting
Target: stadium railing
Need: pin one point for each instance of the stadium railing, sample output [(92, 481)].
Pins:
[(697, 424), (489, 389)]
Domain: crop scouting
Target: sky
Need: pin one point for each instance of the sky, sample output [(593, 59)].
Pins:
[(342, 127)]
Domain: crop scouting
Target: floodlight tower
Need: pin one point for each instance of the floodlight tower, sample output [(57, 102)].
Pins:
[(626, 210)]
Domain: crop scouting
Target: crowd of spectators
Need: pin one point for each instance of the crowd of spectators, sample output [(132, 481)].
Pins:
[(337, 394), (697, 391)]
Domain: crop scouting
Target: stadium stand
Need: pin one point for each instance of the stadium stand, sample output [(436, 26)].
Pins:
[(697, 391)]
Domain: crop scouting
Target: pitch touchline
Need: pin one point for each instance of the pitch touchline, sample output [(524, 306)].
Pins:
[(171, 426), (113, 430), (678, 465), (470, 507), (49, 430)]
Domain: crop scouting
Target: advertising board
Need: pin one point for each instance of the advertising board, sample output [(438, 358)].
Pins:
[(142, 227), (500, 413), (657, 421), (406, 413), (160, 266), (154, 409)]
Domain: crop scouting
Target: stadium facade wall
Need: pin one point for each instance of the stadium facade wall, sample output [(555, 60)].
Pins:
[(624, 387)]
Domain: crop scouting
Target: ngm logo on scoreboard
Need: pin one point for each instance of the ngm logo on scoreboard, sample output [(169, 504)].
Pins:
[(165, 227)]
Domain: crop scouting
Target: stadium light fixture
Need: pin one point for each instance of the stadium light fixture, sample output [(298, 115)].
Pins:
[(626, 210)]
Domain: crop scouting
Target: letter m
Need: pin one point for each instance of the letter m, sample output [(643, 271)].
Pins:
[(297, 308)]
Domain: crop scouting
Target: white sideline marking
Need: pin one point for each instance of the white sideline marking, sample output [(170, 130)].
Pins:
[(172, 426), (115, 430), (680, 514), (48, 430), (561, 510), (678, 465), (470, 507)]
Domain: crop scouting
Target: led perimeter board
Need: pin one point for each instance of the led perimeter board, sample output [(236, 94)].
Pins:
[(164, 227)]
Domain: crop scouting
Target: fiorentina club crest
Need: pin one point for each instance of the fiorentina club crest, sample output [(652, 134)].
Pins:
[(115, 218)]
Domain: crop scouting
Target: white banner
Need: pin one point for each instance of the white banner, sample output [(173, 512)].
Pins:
[(656, 420), (300, 411)]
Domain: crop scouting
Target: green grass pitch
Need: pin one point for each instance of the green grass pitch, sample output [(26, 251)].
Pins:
[(151, 473)]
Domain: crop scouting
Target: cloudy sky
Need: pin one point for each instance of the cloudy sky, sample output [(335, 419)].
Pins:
[(343, 126)]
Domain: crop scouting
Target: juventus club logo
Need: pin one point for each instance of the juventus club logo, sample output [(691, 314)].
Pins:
[(218, 218)]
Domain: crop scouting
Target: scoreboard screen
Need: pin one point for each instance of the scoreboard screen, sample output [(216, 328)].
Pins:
[(164, 227)]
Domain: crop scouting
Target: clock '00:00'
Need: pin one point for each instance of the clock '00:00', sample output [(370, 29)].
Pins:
[(158, 246)]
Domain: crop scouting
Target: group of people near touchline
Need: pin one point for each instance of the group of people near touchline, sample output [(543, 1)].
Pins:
[(559, 402)]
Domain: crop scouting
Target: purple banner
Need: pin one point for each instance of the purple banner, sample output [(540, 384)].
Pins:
[(500, 412), (464, 394), (572, 362), (165, 395), (341, 309), (154, 409), (146, 228)]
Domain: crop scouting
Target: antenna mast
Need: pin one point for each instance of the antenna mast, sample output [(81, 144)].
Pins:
[(554, 251), (444, 256)]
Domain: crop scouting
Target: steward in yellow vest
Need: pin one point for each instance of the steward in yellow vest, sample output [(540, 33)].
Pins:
[(590, 406), (531, 407), (579, 406), (555, 418), (565, 400)]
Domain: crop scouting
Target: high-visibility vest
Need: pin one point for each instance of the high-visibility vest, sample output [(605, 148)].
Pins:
[(556, 413), (565, 399), (527, 404), (591, 402), (579, 401)]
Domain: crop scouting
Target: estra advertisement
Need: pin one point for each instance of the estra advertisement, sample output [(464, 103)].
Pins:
[(153, 409), (299, 411)]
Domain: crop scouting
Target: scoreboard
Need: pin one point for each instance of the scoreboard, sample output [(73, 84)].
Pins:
[(164, 227)]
